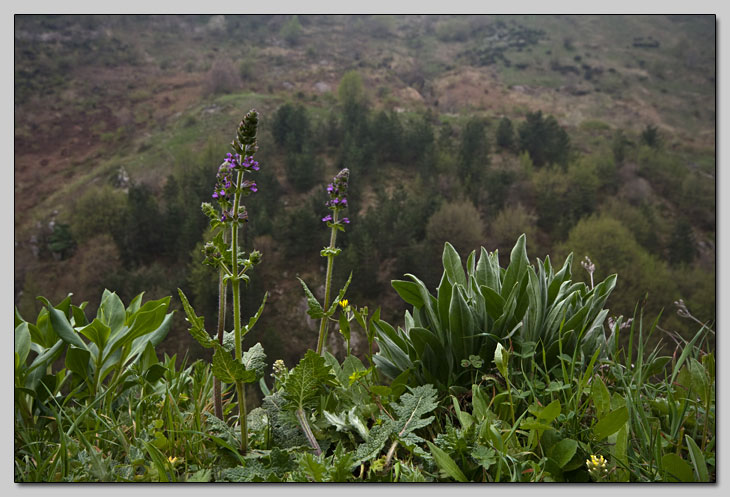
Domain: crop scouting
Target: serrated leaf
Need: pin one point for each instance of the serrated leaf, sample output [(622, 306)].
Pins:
[(228, 370), (254, 359), (412, 406), (255, 317), (339, 297), (305, 381), (315, 310), (197, 326), (376, 439)]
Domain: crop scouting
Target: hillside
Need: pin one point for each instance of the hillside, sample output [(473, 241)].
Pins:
[(121, 122)]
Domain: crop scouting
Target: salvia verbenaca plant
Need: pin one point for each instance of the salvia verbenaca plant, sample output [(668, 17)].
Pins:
[(539, 313), (337, 192), (224, 253)]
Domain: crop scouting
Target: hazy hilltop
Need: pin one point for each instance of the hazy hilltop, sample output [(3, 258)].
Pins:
[(127, 118)]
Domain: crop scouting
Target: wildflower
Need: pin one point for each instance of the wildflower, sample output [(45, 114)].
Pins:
[(597, 467), (343, 303), (337, 191), (279, 369)]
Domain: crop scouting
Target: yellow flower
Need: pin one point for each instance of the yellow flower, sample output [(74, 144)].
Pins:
[(344, 303), (597, 466), (172, 460)]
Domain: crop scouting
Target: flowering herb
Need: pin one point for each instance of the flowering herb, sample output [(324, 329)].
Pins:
[(231, 186), (337, 193)]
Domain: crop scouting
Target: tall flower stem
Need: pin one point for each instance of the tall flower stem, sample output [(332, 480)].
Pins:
[(235, 286), (222, 297), (217, 394), (327, 286)]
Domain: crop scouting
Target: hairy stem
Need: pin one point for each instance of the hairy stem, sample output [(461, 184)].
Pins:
[(327, 285), (235, 286), (302, 418), (241, 389), (217, 394)]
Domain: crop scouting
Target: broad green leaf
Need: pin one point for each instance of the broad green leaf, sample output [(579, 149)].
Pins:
[(78, 315), (601, 397), (97, 332), (111, 312), (517, 266), (18, 318), (446, 464), (611, 423), (22, 342), (460, 324), (562, 452), (698, 460), (148, 357), (428, 304), (228, 370), (443, 293), (134, 305), (493, 302), (77, 361), (534, 424), (62, 327), (677, 468), (254, 359), (452, 265), (549, 412)]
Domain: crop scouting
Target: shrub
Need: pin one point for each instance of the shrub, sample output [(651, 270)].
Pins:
[(221, 78), (458, 223)]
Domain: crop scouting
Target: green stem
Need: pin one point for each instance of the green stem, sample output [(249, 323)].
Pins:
[(328, 283), (241, 390), (235, 286), (217, 394)]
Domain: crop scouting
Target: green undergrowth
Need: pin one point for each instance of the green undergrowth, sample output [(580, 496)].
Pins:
[(516, 376)]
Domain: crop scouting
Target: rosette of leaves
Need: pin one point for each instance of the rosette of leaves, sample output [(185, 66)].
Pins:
[(540, 311)]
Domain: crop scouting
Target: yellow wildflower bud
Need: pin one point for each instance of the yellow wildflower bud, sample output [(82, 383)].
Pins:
[(344, 303)]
